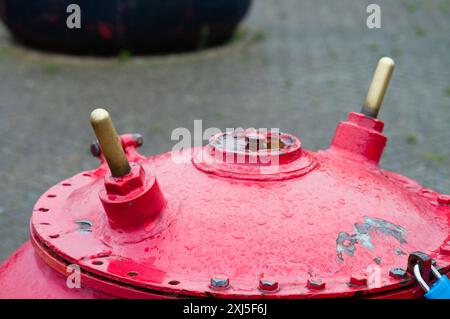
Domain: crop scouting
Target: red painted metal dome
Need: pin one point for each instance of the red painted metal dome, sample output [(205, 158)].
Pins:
[(327, 218), (250, 215)]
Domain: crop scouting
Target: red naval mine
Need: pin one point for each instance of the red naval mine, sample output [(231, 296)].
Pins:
[(251, 215)]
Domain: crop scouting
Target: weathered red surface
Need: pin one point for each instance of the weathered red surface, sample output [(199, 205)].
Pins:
[(25, 275), (321, 224)]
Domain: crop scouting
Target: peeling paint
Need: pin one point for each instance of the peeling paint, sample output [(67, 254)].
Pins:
[(346, 243), (84, 226)]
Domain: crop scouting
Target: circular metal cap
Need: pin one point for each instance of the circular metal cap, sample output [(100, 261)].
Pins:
[(319, 215)]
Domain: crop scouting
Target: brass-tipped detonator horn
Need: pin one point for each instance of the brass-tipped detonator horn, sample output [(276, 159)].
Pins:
[(378, 87), (109, 143)]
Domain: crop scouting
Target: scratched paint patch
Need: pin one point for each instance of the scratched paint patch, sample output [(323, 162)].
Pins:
[(346, 243)]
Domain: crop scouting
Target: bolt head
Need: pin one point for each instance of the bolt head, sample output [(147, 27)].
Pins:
[(138, 139), (397, 273), (445, 249), (444, 199), (219, 281), (126, 184), (268, 284), (358, 279), (315, 284), (96, 151)]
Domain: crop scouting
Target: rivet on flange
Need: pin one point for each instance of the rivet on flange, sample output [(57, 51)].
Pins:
[(219, 282)]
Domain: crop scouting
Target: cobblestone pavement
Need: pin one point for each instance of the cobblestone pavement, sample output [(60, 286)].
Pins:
[(300, 65)]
